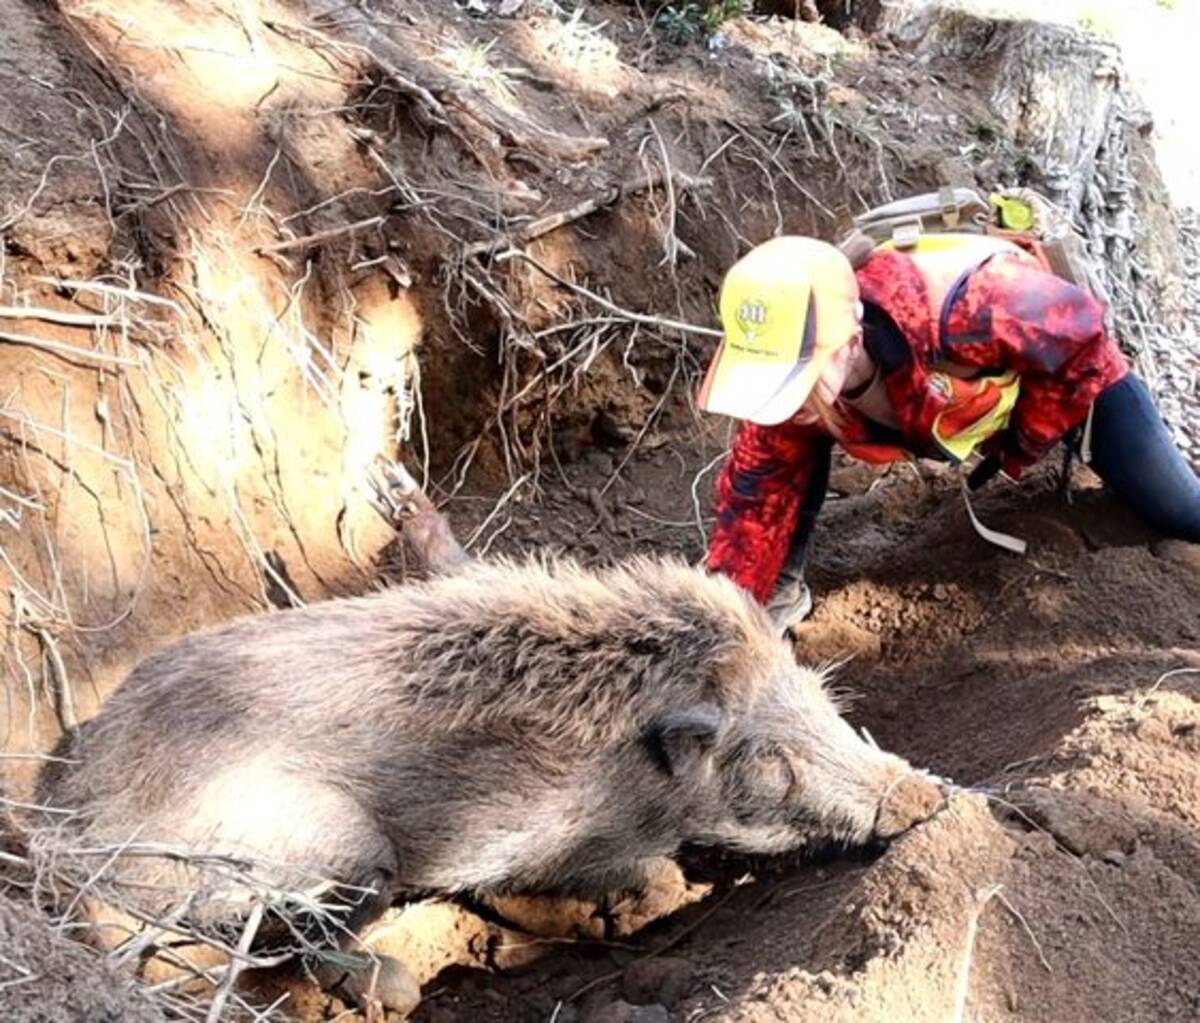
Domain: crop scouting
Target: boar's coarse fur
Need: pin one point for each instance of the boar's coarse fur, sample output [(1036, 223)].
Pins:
[(514, 727)]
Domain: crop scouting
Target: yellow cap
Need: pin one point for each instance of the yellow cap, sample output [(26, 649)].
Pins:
[(787, 306)]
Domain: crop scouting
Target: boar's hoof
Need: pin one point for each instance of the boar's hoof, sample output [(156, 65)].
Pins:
[(383, 979), (913, 799)]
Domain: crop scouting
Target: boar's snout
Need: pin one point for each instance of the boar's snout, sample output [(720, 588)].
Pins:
[(911, 800)]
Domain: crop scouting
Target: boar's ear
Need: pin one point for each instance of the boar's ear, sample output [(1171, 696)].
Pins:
[(678, 741)]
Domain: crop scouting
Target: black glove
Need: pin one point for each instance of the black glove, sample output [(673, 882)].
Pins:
[(983, 472)]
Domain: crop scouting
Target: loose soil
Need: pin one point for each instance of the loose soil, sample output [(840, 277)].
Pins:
[(1061, 691)]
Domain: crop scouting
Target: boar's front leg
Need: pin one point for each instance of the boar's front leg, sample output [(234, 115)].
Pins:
[(399, 498), (360, 972)]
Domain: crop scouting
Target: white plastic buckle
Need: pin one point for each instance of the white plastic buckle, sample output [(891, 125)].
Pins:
[(906, 236), (949, 204)]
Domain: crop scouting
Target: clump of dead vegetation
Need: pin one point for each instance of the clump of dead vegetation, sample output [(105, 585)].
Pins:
[(171, 964)]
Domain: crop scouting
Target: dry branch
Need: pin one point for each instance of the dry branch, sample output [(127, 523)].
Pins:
[(773, 158), (399, 499), (317, 237), (430, 111), (518, 132), (628, 314), (440, 100), (99, 287), (610, 196), (236, 966), (60, 317), (963, 982), (962, 985), (1142, 700), (1020, 918), (64, 350), (64, 700)]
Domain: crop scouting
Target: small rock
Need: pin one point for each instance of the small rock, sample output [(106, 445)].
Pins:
[(922, 877), (664, 979), (825, 982), (665, 891), (564, 985), (1114, 857), (388, 982), (1154, 730), (600, 462)]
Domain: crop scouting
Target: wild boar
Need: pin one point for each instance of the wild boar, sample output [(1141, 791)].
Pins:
[(514, 727)]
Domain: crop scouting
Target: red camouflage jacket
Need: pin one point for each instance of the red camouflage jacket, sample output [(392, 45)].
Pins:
[(1008, 314)]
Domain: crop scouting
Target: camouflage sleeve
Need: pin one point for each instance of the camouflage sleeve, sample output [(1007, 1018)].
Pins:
[(1017, 317), (760, 490)]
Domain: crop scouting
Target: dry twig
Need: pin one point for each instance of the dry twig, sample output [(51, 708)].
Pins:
[(64, 700), (551, 221), (1161, 679), (238, 964), (318, 237), (628, 314), (963, 983), (64, 350), (59, 316)]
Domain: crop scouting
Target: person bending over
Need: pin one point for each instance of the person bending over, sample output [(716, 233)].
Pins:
[(960, 344)]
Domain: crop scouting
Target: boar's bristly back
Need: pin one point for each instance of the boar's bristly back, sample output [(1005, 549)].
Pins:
[(572, 651)]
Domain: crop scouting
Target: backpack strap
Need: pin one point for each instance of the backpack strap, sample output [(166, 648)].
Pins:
[(992, 536), (857, 247)]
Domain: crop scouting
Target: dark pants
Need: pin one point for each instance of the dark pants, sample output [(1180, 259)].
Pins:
[(1133, 453)]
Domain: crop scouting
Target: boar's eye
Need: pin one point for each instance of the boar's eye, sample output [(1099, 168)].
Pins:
[(773, 776)]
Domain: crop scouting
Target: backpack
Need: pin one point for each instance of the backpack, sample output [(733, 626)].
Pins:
[(1020, 215)]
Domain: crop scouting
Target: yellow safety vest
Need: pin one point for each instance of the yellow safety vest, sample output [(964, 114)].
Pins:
[(977, 407)]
